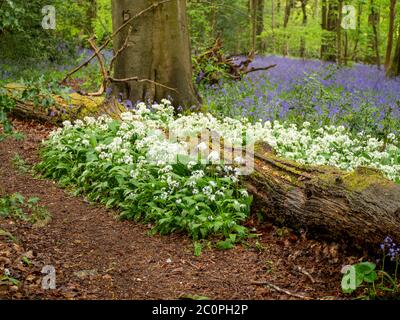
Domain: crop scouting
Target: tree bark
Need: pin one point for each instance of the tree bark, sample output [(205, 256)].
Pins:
[(359, 209), (389, 47), (357, 41), (373, 20), (329, 25), (253, 17), (158, 50), (394, 70), (304, 23), (288, 7), (260, 24), (339, 32)]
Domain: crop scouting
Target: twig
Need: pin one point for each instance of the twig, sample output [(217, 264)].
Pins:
[(102, 68), (275, 287), (86, 62), (120, 50), (259, 69), (142, 80), (305, 272)]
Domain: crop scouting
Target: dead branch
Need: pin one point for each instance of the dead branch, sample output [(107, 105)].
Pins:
[(120, 50), (260, 69), (142, 80), (73, 71), (234, 70), (103, 70), (275, 287), (306, 273)]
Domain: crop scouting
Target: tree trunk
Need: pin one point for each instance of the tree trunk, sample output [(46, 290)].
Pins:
[(253, 16), (389, 46), (316, 9), (91, 14), (303, 40), (273, 25), (158, 50), (214, 19), (339, 32), (329, 26), (394, 70), (288, 7), (359, 208), (260, 24), (373, 19), (357, 41)]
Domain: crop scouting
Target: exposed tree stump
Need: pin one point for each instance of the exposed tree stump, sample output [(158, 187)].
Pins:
[(359, 209)]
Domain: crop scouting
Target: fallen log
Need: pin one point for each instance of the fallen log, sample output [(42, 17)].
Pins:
[(74, 106), (358, 209)]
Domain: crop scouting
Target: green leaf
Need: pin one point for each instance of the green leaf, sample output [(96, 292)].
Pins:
[(225, 245), (197, 249)]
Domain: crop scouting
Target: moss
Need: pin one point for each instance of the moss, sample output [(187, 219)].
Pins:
[(363, 178), (357, 181)]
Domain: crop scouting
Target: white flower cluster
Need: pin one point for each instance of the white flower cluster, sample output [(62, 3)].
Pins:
[(328, 145)]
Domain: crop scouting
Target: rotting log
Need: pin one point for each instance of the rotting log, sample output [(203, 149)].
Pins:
[(74, 106), (358, 209)]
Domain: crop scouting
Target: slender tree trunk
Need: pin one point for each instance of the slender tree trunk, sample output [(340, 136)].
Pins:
[(359, 14), (329, 26), (373, 20), (214, 19), (253, 16), (158, 50), (316, 9), (339, 32), (324, 27), (273, 25), (304, 23), (389, 46), (91, 14), (288, 7), (260, 23), (394, 69)]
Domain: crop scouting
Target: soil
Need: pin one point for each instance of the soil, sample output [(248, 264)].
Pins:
[(99, 257)]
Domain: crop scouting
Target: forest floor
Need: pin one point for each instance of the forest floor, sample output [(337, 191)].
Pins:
[(98, 257)]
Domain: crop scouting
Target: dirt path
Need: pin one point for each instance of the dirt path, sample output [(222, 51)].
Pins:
[(98, 257)]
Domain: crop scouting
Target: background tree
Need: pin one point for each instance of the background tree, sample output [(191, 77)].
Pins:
[(394, 69), (389, 47)]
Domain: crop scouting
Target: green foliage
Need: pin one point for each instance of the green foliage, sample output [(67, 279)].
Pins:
[(20, 164), (102, 24), (21, 30), (357, 274), (377, 284), (16, 206), (6, 105), (231, 22), (143, 190), (5, 233)]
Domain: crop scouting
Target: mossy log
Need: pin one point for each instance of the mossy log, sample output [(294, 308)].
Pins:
[(72, 107), (358, 209)]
